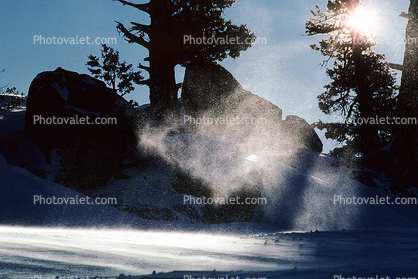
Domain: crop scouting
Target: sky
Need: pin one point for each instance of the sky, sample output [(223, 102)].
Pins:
[(284, 71)]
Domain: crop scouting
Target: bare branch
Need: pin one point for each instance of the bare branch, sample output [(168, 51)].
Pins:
[(407, 16), (144, 82), (142, 7), (131, 38), (141, 27), (350, 111), (396, 66), (146, 68)]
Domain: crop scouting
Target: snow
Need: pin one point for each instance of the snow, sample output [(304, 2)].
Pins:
[(311, 200), (82, 111), (62, 91), (11, 123), (88, 79), (142, 107), (76, 241), (17, 206), (301, 190), (77, 253), (3, 163), (135, 192)]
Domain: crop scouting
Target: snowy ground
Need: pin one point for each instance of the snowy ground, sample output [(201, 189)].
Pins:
[(75, 253), (41, 241)]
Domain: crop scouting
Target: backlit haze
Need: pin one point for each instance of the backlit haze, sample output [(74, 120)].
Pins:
[(285, 71)]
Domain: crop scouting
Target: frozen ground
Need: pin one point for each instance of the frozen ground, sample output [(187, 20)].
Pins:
[(75, 253), (44, 241)]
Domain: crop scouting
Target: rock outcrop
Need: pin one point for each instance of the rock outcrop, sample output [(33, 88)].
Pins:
[(212, 88), (210, 92), (295, 129), (82, 145)]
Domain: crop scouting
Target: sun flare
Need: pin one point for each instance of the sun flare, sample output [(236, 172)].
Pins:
[(361, 20)]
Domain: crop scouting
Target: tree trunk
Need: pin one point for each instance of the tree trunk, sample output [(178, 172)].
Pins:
[(163, 87), (404, 151)]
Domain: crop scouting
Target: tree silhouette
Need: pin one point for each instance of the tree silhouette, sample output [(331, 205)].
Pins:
[(403, 164), (172, 23), (10, 98), (111, 70), (363, 86)]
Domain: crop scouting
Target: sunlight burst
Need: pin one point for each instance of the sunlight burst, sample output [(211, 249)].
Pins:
[(252, 158), (361, 20)]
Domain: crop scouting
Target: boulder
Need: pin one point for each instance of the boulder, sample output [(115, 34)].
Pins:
[(69, 96), (206, 88), (295, 129), (211, 93), (212, 88)]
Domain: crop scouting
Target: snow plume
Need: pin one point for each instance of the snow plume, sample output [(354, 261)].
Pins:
[(224, 145), (241, 140), (216, 159), (299, 188), (300, 185)]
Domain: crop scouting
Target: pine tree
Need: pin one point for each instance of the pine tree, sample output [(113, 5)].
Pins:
[(363, 86), (169, 40), (10, 98), (403, 164), (119, 75)]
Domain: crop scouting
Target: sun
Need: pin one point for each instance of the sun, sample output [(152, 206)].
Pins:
[(361, 20)]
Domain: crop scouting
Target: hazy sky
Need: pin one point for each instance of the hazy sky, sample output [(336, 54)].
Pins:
[(285, 70)]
